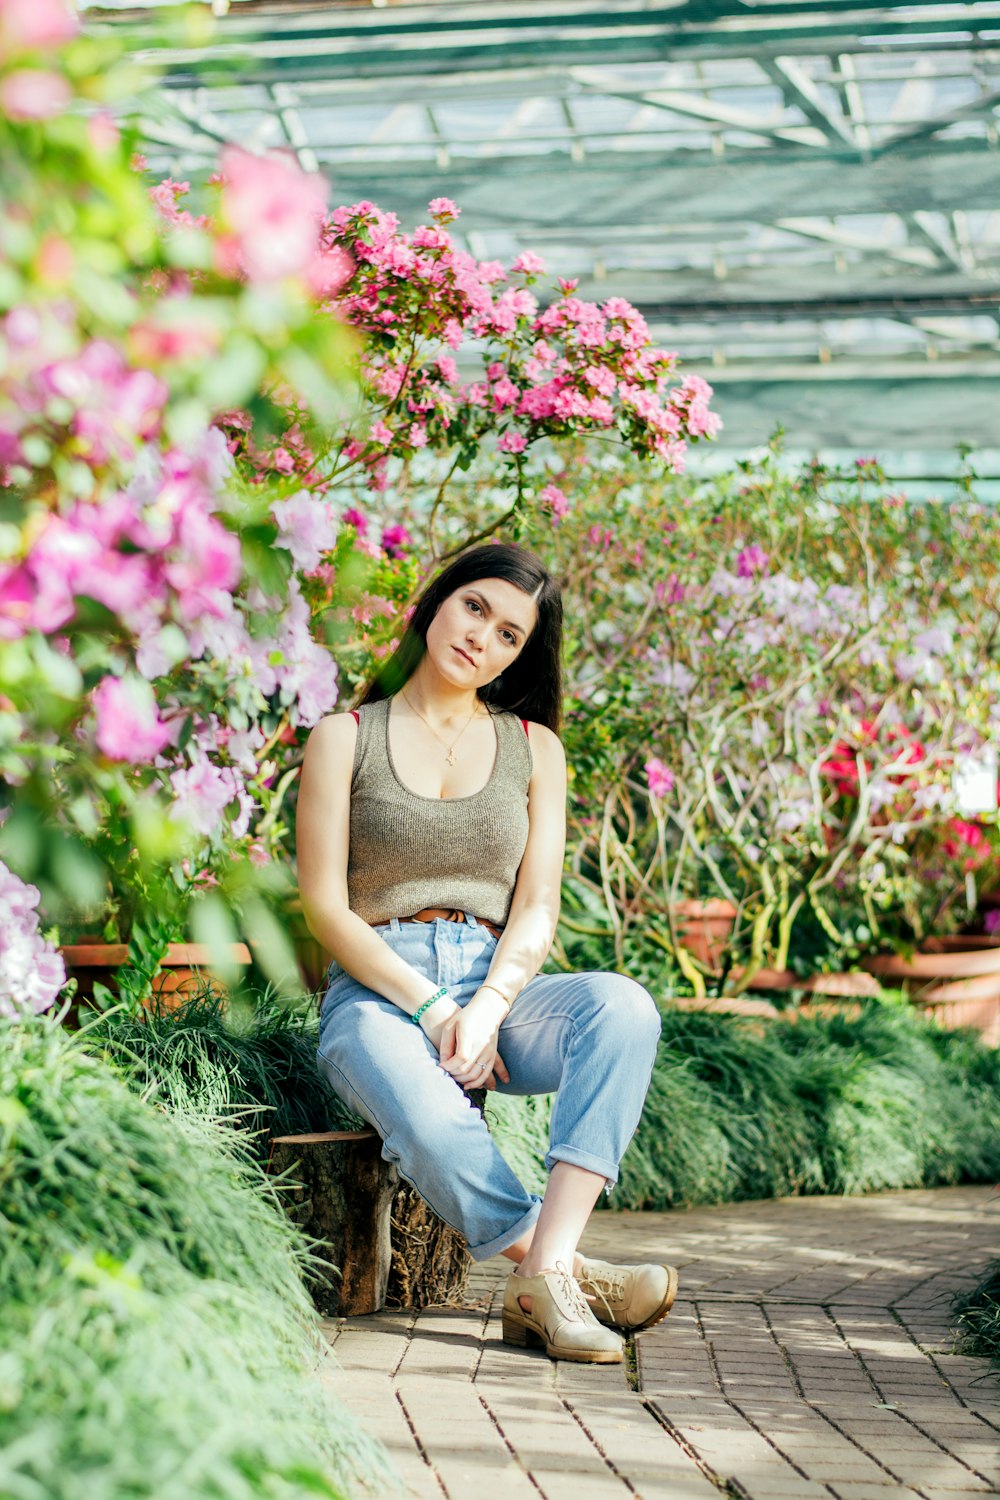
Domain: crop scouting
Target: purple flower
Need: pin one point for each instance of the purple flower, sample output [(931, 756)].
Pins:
[(201, 792), (305, 528)]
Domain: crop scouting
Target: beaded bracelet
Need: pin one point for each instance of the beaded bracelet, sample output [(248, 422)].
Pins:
[(441, 994)]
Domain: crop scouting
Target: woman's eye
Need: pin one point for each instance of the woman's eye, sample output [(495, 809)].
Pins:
[(473, 604), (508, 638)]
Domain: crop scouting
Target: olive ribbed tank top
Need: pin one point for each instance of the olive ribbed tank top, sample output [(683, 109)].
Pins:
[(408, 852)]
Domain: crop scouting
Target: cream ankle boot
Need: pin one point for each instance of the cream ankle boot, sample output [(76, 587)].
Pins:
[(560, 1319), (628, 1296)]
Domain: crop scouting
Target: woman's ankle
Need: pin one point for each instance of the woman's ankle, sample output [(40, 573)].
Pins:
[(528, 1267)]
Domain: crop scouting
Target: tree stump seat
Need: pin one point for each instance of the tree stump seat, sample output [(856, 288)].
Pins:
[(380, 1242)]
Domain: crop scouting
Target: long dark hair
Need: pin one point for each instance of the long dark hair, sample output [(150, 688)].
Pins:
[(532, 685)]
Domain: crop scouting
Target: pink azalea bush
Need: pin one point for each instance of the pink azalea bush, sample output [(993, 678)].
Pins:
[(153, 634), (418, 300), (210, 408)]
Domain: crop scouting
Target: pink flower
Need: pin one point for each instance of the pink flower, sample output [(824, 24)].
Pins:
[(556, 501), (329, 271), (35, 25), (395, 540), (504, 393), (430, 237), (600, 378), (512, 442), (671, 591), (305, 527), (659, 777), (443, 209), (205, 562), (31, 94), (417, 436), (380, 433), (357, 519), (128, 725), (274, 209), (750, 561), (529, 264)]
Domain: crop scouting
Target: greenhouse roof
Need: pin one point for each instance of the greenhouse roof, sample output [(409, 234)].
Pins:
[(803, 199)]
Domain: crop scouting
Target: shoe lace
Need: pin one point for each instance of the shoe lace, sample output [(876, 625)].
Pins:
[(606, 1285), (570, 1289)]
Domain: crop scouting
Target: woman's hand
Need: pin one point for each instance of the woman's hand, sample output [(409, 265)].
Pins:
[(434, 1021), (468, 1045)]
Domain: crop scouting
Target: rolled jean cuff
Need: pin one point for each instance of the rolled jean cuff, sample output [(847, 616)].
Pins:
[(510, 1236), (576, 1158)]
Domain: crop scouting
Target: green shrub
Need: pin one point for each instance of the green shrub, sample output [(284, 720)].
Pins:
[(157, 1339)]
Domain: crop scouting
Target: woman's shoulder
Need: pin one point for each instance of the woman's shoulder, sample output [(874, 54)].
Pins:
[(543, 745), (333, 733), (543, 739)]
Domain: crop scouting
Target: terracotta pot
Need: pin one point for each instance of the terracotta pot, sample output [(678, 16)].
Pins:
[(958, 988), (851, 984), (704, 928), (183, 970), (960, 942), (730, 1005)]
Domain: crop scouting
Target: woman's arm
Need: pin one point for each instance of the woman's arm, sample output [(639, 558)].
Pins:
[(534, 910), (322, 839), (470, 1037)]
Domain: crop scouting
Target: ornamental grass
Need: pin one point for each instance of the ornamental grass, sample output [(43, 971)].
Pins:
[(737, 1107), (253, 1066), (818, 1104), (978, 1314), (157, 1339)]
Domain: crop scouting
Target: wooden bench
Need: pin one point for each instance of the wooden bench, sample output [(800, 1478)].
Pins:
[(380, 1240)]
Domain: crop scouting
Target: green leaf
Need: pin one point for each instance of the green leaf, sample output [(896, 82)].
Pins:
[(233, 375)]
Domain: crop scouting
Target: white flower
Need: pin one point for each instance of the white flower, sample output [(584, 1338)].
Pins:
[(31, 971)]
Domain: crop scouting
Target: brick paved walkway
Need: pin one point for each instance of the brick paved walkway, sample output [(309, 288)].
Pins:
[(808, 1355)]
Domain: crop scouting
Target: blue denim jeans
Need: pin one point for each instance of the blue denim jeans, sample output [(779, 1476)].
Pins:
[(588, 1038)]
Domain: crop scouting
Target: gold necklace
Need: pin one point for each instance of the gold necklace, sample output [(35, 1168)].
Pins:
[(450, 756)]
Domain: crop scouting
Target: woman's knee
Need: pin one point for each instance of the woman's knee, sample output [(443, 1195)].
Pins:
[(631, 1009)]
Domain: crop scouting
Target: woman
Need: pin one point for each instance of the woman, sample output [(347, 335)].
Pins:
[(431, 831)]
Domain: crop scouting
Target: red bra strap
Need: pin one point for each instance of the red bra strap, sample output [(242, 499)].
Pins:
[(355, 716), (524, 724)]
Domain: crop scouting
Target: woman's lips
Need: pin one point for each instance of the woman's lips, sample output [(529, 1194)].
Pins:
[(464, 654)]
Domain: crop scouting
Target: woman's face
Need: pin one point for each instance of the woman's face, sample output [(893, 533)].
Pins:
[(479, 630)]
